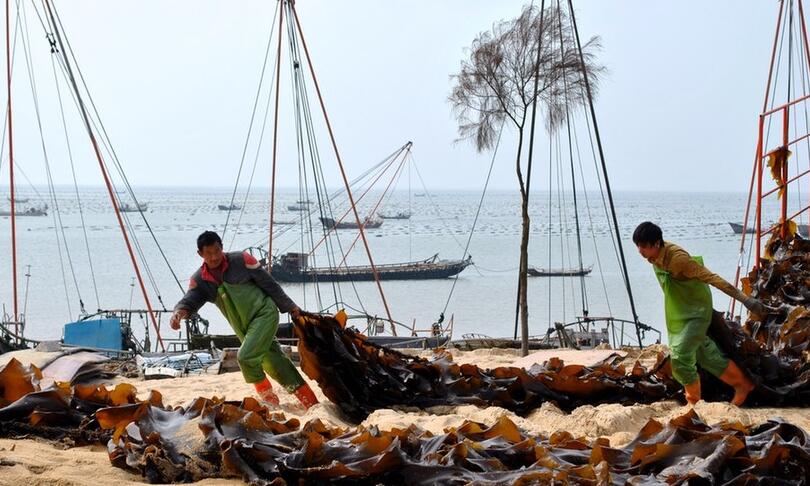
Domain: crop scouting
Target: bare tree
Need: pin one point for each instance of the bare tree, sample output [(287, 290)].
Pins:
[(531, 57)]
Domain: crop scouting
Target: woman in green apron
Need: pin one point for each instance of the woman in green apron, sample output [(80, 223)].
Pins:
[(688, 310)]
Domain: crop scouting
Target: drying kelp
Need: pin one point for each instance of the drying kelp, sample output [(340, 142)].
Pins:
[(783, 282), (60, 412), (212, 438), (250, 443), (779, 378), (361, 377), (773, 349)]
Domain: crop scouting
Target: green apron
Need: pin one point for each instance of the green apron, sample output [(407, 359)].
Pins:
[(688, 311), (254, 318)]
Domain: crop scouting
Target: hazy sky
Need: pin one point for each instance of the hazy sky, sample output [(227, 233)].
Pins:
[(175, 82)]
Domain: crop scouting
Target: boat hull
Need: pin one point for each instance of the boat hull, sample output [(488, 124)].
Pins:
[(533, 272), (360, 274), (330, 223)]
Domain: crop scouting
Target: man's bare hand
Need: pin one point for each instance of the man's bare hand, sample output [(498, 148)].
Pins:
[(177, 316)]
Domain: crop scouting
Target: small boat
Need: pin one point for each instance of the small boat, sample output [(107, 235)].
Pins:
[(368, 223), (738, 229), (229, 207), (559, 272), (293, 267), (21, 200), (126, 208), (399, 215), (26, 212), (299, 206)]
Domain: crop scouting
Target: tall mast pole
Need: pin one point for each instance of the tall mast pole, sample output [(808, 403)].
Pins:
[(107, 182), (342, 170), (11, 167)]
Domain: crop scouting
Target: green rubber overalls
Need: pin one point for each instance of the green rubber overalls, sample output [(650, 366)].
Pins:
[(688, 311), (254, 318)]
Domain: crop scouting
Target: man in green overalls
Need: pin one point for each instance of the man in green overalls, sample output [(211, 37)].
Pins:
[(688, 309), (250, 299)]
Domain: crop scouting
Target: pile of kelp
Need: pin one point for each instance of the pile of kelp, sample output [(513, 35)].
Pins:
[(212, 438), (361, 377), (773, 349)]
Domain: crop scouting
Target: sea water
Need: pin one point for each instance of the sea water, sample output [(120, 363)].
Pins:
[(482, 302)]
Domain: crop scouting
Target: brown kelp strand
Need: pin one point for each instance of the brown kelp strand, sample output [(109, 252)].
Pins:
[(361, 377), (61, 412), (212, 438), (783, 282), (248, 442), (773, 349)]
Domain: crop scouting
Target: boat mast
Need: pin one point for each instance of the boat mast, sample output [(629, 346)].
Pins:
[(340, 165), (756, 155), (275, 139), (100, 159), (601, 151), (11, 169)]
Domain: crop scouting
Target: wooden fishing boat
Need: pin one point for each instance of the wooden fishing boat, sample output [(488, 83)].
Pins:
[(26, 212), (399, 215), (738, 229), (368, 223), (293, 267), (559, 272), (126, 208)]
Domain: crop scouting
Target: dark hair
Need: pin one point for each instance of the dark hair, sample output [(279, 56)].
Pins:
[(647, 234), (207, 238)]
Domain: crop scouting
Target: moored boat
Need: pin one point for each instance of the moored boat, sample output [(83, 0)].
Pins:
[(399, 215), (559, 272), (368, 223), (293, 267), (26, 212), (126, 208)]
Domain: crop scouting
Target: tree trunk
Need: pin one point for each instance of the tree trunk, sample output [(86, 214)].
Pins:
[(523, 277), (523, 303)]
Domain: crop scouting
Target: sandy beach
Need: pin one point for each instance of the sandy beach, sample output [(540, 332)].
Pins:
[(36, 462)]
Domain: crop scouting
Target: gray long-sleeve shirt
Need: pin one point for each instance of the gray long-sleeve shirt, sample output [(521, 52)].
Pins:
[(240, 268)]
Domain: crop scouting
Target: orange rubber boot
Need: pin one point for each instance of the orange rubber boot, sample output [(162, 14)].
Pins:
[(306, 396), (692, 392), (265, 391), (734, 376)]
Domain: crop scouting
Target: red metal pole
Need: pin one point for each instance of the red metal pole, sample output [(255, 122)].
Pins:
[(804, 32), (275, 143), (11, 172), (784, 174), (773, 54), (759, 191), (804, 38), (343, 172)]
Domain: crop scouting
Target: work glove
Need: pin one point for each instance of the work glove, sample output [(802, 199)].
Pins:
[(755, 306)]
